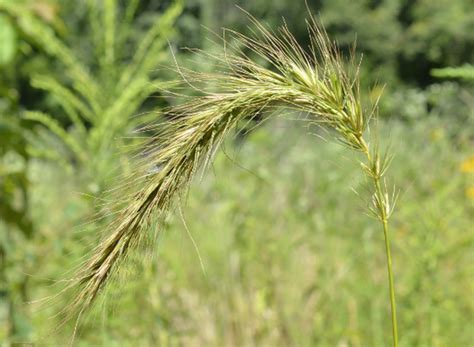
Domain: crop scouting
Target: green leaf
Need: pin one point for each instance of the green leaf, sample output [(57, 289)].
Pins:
[(465, 72), (8, 43)]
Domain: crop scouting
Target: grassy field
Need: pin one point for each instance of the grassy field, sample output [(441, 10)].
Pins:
[(278, 250)]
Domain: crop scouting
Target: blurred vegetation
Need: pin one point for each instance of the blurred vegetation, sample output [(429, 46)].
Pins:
[(289, 257)]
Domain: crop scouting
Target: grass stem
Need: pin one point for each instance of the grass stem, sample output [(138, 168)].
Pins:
[(393, 304), (382, 208)]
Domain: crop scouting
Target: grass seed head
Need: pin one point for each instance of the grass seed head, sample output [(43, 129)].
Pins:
[(313, 81)]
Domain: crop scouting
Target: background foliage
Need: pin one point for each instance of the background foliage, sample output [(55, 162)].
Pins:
[(289, 257)]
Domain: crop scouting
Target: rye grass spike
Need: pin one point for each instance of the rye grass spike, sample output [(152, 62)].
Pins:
[(316, 81)]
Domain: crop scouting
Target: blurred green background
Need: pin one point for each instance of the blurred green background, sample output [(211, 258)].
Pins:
[(285, 253)]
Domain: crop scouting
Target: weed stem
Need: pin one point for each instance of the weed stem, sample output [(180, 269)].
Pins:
[(393, 304), (382, 207)]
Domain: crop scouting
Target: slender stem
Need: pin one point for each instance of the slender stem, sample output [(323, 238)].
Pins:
[(384, 219), (393, 304), (383, 214)]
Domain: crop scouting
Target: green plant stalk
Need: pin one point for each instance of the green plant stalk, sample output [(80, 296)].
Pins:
[(383, 213), (393, 304)]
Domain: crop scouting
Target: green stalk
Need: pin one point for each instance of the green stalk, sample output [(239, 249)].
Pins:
[(382, 207), (393, 304)]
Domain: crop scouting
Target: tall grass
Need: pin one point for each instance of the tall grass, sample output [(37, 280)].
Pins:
[(320, 84)]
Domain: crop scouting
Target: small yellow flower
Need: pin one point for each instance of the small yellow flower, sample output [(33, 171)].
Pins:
[(467, 166), (470, 192)]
